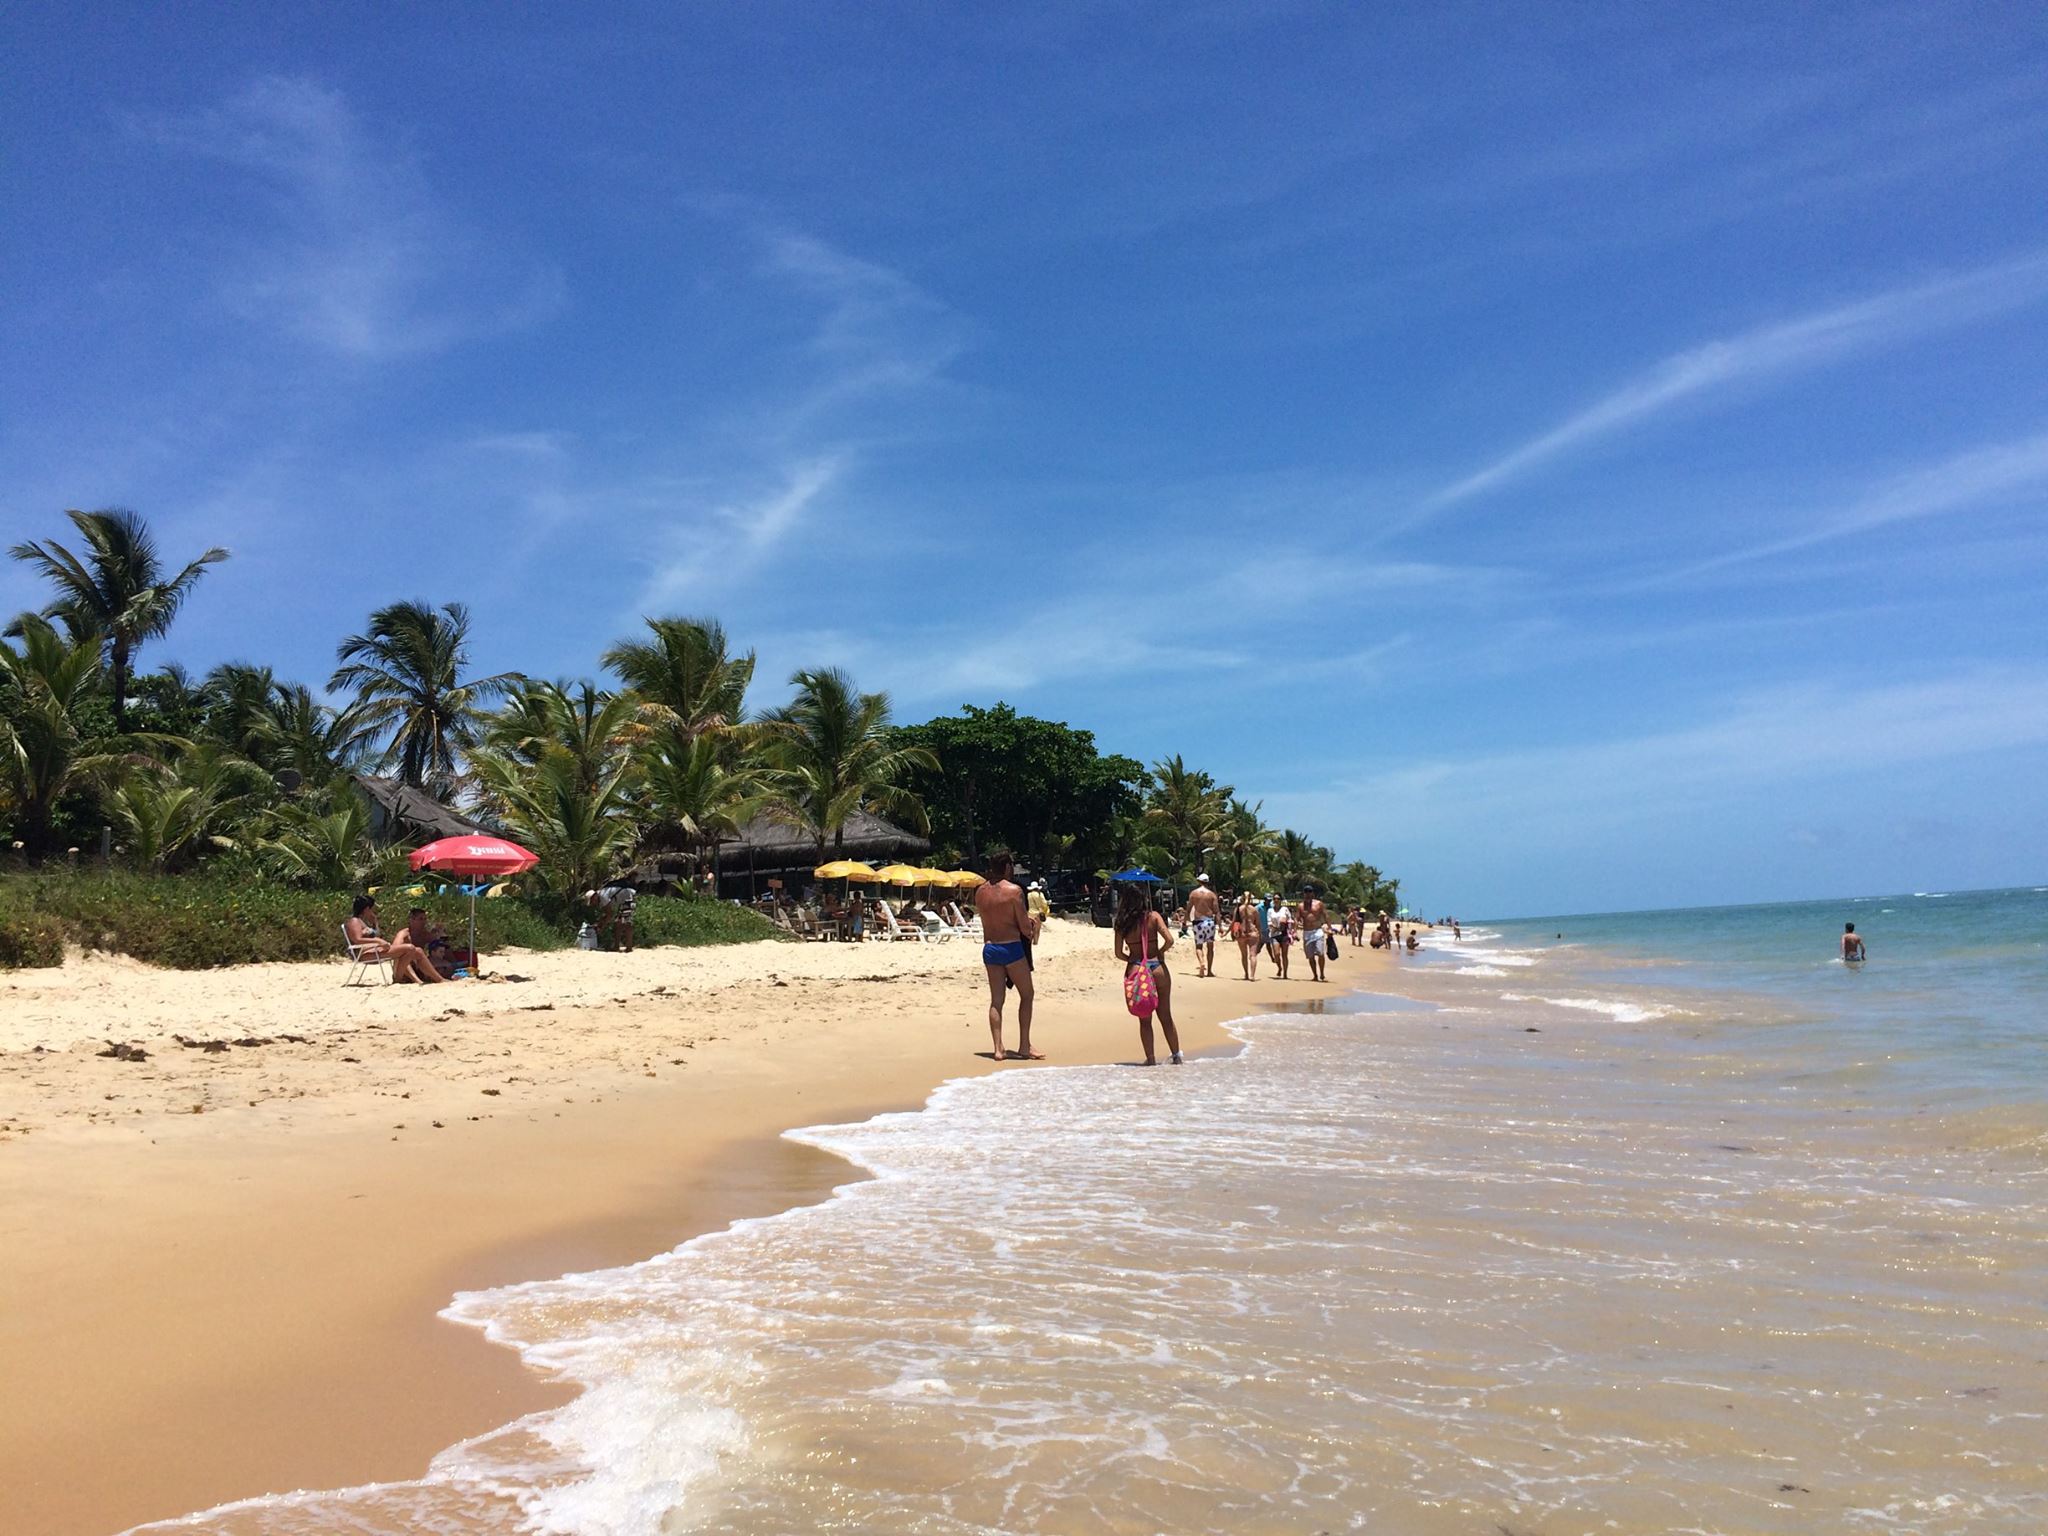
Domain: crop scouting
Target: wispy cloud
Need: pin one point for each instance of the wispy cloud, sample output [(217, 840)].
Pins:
[(1963, 483), (359, 256), (1756, 355), (708, 548)]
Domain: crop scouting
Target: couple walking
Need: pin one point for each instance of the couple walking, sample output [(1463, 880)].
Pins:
[(1008, 927)]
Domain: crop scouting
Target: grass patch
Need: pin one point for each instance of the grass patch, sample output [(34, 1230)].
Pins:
[(659, 920)]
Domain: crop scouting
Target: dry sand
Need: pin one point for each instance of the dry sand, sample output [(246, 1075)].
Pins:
[(220, 1264)]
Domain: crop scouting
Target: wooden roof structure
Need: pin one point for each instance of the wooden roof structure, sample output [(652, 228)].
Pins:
[(769, 843), (401, 814)]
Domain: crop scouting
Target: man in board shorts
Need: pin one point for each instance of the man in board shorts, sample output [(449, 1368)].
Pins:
[(1007, 929), (1203, 908), (1313, 940)]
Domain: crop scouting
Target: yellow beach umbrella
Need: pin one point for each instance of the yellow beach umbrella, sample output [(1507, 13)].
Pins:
[(933, 877), (843, 869), (966, 879), (900, 874)]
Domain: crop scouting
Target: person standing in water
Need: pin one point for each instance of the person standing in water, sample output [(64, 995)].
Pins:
[(1852, 943), (1203, 908), (1007, 929), (1143, 938)]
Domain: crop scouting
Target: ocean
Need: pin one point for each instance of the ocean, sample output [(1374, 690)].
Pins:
[(1654, 1222)]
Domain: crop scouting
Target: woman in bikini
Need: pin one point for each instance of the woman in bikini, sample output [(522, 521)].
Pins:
[(1142, 938), (1246, 926)]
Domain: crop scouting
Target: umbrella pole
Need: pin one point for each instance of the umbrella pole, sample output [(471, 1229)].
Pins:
[(474, 968)]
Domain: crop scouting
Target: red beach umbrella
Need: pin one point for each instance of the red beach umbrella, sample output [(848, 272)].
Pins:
[(479, 855)]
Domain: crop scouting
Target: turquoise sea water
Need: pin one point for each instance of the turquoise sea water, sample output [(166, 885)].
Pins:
[(1671, 1224), (1950, 1012)]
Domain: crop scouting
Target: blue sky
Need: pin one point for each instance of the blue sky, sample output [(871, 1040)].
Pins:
[(1574, 457)]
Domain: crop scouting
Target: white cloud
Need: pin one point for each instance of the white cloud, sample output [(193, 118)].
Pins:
[(1962, 483), (1808, 341), (360, 257)]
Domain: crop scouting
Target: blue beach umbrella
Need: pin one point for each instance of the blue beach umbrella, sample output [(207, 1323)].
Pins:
[(1136, 877)]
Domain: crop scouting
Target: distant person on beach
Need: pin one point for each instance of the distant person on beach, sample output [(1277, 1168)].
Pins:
[(1036, 904), (1280, 927), (1314, 940), (1245, 928), (1413, 942), (1204, 907), (1143, 938), (615, 905), (1007, 929), (1852, 943)]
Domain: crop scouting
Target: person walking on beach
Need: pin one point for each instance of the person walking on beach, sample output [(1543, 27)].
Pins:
[(1250, 934), (1143, 938), (1314, 941), (1007, 929), (1280, 925), (1204, 906), (1852, 944)]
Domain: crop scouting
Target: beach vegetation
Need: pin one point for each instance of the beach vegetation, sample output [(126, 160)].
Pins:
[(114, 590), (415, 709), (830, 753), (164, 810)]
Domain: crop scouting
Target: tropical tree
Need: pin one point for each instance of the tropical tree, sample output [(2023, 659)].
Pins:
[(1297, 860), (235, 705), (46, 687), (1188, 807), (413, 706), (834, 754), (164, 812), (701, 792), (115, 591), (1243, 840), (685, 676), (582, 831), (304, 736), (325, 841)]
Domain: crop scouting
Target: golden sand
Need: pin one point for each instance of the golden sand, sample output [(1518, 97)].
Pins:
[(220, 1267)]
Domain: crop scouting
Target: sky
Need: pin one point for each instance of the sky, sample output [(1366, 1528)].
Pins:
[(1574, 457)]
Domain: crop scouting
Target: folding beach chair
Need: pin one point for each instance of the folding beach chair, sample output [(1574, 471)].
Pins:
[(362, 957)]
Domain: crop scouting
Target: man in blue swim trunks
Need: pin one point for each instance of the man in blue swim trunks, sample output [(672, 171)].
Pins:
[(1007, 929)]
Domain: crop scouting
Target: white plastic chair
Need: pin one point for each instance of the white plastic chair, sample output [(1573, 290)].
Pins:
[(363, 956)]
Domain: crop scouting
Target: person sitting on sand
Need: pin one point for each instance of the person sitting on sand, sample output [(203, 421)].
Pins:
[(1007, 929), (1852, 943), (1413, 943), (1143, 938), (420, 935)]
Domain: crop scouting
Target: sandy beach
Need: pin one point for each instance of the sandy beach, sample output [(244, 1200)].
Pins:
[(223, 1260)]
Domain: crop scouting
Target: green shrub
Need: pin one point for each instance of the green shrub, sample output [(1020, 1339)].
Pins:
[(199, 921), (29, 940), (659, 920)]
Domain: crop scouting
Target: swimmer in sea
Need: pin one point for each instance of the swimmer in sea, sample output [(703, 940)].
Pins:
[(1852, 944), (1007, 929)]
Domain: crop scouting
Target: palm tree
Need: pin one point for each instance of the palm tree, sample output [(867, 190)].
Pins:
[(685, 676), (591, 726), (702, 791), (163, 811), (1299, 860), (1243, 838), (45, 687), (236, 700), (412, 702), (1188, 808), (582, 831), (834, 755), (325, 842), (304, 736), (115, 592)]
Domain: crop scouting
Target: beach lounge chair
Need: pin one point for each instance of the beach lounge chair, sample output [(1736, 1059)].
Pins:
[(361, 958), (897, 930)]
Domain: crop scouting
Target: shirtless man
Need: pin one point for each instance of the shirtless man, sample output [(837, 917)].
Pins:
[(1852, 943), (1007, 929), (1203, 909), (1311, 914)]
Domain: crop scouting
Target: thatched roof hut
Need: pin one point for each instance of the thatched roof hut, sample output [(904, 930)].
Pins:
[(401, 814), (768, 849)]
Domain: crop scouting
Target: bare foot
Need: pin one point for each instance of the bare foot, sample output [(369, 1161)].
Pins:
[(998, 1055), (1030, 1055), (1176, 1059), (1151, 1061)]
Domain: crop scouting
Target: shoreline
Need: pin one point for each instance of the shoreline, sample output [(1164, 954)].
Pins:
[(204, 1308)]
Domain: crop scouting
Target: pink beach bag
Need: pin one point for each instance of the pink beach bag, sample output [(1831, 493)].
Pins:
[(1141, 990)]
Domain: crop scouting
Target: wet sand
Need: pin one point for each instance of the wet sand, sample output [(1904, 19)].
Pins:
[(201, 1307)]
